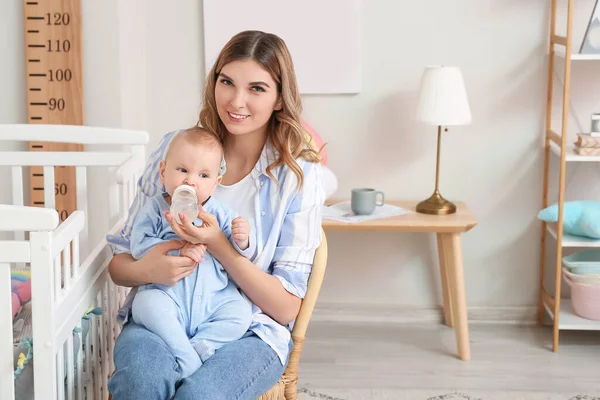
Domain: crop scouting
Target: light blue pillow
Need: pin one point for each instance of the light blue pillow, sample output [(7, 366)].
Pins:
[(580, 218), (590, 222)]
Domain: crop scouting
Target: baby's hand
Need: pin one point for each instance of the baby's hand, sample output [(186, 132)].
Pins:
[(193, 251), (240, 228)]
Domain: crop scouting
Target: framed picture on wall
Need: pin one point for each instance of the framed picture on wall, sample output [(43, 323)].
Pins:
[(591, 39), (323, 37)]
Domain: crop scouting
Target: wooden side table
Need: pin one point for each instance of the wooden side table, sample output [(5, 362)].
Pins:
[(448, 229)]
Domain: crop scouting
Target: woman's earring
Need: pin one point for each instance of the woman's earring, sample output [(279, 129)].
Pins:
[(223, 167)]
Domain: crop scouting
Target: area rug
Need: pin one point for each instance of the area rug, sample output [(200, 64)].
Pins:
[(399, 394)]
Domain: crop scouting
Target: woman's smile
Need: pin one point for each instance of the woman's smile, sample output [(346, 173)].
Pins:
[(234, 117)]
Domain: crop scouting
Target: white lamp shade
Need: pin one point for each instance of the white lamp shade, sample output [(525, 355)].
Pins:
[(443, 97)]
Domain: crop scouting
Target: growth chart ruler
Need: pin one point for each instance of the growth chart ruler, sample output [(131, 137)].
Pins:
[(53, 41)]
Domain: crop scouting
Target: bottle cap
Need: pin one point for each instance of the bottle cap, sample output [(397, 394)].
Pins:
[(186, 188)]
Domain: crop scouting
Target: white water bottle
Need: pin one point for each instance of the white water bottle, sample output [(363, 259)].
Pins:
[(184, 201)]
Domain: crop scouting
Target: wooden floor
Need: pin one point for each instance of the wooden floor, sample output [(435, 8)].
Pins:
[(504, 357)]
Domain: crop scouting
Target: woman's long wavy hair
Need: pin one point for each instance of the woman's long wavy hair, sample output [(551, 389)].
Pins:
[(285, 131)]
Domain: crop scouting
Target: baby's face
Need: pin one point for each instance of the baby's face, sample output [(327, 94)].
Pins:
[(194, 165)]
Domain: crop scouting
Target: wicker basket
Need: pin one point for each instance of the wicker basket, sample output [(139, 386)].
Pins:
[(584, 262), (587, 279), (585, 299)]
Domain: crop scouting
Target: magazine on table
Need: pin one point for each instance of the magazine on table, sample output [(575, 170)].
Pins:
[(342, 212)]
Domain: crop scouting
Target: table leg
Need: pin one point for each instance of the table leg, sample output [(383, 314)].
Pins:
[(442, 246), (454, 264)]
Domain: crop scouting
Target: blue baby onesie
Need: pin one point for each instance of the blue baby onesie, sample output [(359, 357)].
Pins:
[(204, 310)]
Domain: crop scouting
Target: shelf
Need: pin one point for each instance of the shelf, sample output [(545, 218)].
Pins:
[(569, 321), (571, 155), (573, 241), (560, 52)]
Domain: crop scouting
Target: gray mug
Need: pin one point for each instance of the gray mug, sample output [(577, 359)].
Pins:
[(364, 200)]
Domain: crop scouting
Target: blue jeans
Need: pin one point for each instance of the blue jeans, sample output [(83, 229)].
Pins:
[(146, 369), (193, 329)]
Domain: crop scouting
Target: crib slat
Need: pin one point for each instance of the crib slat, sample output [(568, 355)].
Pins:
[(104, 337), (100, 354), (124, 199), (17, 200), (17, 185), (79, 366), (44, 367), (118, 304), (70, 378), (89, 382), (57, 279), (112, 310), (67, 266), (17, 193), (6, 335), (82, 205), (97, 376), (60, 372), (49, 187), (76, 257)]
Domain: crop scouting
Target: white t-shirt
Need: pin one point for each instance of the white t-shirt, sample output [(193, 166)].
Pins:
[(240, 197)]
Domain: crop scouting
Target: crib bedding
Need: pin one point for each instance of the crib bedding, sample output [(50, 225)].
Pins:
[(22, 326), (23, 332)]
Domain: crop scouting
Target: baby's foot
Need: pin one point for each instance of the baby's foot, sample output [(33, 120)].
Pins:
[(203, 350), (189, 365)]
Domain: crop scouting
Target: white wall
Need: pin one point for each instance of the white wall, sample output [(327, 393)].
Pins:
[(175, 65), (495, 164)]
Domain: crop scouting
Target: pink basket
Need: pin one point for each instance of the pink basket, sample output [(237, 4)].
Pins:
[(585, 299)]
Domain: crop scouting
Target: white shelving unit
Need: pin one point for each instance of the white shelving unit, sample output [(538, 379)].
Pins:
[(560, 52), (571, 156), (573, 241), (569, 321), (556, 145)]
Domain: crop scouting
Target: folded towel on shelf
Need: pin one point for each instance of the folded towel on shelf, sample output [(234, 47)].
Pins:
[(586, 140), (587, 151)]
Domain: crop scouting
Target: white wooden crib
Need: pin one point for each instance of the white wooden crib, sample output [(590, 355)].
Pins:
[(68, 261)]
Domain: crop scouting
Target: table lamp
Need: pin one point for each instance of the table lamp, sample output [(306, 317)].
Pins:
[(442, 102)]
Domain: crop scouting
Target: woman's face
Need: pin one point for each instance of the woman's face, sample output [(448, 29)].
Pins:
[(246, 96)]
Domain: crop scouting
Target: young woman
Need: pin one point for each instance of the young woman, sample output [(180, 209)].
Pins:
[(273, 179)]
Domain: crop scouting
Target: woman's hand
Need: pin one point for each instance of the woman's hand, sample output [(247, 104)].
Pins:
[(206, 234), (164, 269)]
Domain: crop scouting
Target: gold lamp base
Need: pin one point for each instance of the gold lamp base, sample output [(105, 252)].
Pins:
[(436, 205)]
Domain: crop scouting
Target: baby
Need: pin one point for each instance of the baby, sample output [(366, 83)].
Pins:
[(204, 310)]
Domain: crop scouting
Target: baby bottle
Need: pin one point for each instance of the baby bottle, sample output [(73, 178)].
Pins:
[(184, 201)]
